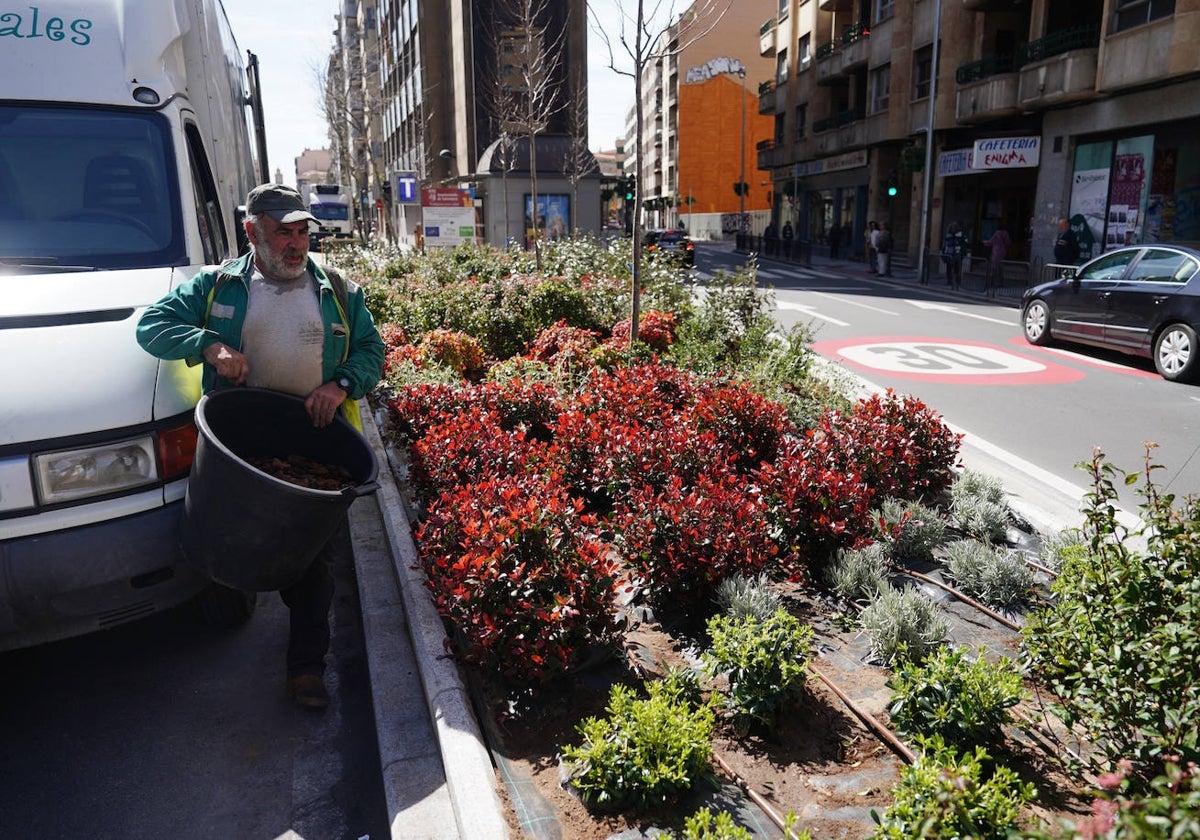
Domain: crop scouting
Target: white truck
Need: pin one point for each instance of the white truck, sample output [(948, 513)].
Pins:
[(331, 206), (125, 152)]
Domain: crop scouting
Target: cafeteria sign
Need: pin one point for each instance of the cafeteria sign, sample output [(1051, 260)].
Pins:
[(1006, 153)]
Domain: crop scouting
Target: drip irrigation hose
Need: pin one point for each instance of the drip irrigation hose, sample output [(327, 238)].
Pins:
[(754, 795), (1011, 625), (884, 734)]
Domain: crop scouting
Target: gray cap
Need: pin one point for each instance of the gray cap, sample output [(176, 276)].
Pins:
[(283, 204)]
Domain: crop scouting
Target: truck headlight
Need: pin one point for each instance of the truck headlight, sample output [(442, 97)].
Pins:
[(72, 474)]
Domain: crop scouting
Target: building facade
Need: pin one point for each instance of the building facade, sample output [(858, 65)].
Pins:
[(986, 113)]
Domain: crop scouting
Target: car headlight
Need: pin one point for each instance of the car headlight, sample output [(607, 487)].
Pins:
[(71, 474)]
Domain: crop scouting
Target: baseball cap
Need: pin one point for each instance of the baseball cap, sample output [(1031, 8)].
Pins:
[(283, 204)]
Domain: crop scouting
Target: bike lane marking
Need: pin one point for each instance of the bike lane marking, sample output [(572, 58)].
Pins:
[(957, 361)]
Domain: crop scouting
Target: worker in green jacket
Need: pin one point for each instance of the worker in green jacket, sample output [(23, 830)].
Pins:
[(275, 319)]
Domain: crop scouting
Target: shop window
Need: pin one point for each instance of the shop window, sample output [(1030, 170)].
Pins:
[(881, 84), (1130, 13)]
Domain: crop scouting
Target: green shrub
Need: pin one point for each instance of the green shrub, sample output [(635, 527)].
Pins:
[(739, 596), (764, 659), (1169, 810), (999, 579), (859, 574), (1062, 547), (645, 753), (946, 796), (965, 701), (1120, 641), (702, 826), (902, 625), (910, 530)]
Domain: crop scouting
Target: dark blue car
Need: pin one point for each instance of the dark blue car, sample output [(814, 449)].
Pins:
[(1143, 300)]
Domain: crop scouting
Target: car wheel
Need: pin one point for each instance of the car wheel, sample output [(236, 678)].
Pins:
[(225, 608), (1036, 322), (1175, 352)]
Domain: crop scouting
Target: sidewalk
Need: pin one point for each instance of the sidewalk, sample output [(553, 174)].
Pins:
[(973, 283)]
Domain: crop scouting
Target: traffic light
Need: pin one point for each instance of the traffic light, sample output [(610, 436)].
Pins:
[(630, 187), (890, 185)]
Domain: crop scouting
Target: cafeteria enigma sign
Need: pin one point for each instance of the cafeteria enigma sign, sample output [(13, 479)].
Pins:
[(990, 154)]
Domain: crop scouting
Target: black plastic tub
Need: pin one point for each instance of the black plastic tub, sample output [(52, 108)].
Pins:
[(249, 530)]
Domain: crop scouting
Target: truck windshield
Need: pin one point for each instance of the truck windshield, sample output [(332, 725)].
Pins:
[(87, 188), (330, 212)]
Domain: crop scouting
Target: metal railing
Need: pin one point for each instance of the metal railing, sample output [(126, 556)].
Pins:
[(1057, 43), (852, 33), (825, 50), (989, 65)]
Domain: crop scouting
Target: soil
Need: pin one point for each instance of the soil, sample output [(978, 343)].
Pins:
[(305, 472), (820, 762)]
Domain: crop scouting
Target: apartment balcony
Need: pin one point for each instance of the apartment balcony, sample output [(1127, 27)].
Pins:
[(987, 89), (829, 62), (844, 130), (844, 55), (766, 97), (766, 38), (1144, 55), (1059, 68), (766, 153), (836, 5)]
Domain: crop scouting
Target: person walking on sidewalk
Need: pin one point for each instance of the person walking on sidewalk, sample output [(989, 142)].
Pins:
[(999, 242), (1066, 245), (883, 247), (954, 249), (835, 239), (872, 239), (787, 234), (274, 318)]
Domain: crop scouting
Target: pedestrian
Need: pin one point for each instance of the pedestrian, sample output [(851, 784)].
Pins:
[(999, 242), (954, 249), (883, 247), (787, 234), (1066, 246), (835, 238), (871, 237), (273, 318), (770, 239)]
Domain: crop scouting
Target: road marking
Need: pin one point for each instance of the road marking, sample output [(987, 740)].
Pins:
[(808, 310), (938, 360), (841, 299), (953, 310)]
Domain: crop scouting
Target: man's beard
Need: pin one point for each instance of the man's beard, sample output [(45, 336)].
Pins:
[(273, 263)]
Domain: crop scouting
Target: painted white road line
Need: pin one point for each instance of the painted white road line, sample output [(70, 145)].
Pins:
[(841, 299), (808, 310), (1080, 357), (954, 310)]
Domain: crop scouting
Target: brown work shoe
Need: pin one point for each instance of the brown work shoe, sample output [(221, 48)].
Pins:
[(308, 690)]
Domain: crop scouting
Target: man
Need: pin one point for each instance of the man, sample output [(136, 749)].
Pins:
[(872, 239), (275, 319), (1066, 246)]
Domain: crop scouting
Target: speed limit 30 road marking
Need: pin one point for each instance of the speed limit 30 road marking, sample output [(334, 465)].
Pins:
[(941, 360)]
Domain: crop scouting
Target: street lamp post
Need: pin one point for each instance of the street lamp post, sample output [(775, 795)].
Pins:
[(927, 186), (742, 176)]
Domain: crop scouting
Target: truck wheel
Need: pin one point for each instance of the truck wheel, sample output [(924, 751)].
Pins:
[(224, 608)]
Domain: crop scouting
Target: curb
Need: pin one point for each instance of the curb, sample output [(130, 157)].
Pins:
[(470, 778)]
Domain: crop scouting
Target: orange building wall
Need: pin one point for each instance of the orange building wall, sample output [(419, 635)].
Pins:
[(710, 142)]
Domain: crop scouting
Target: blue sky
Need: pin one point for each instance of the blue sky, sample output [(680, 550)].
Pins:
[(293, 40)]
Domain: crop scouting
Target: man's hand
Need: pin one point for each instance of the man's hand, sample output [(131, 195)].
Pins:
[(323, 403), (229, 363)]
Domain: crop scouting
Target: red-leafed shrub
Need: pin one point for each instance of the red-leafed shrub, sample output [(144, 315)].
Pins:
[(520, 573), (532, 406), (682, 541), (815, 509), (417, 407), (605, 457), (456, 350), (749, 425), (563, 345), (901, 447), (470, 446), (647, 393), (393, 336), (656, 329), (401, 353)]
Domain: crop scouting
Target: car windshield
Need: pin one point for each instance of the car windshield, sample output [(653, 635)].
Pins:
[(330, 212), (87, 188)]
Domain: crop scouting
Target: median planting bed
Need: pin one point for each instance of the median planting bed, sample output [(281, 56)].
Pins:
[(689, 577)]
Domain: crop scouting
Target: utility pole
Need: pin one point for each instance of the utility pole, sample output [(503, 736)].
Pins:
[(923, 266)]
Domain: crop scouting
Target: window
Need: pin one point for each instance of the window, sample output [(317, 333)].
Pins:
[(884, 9), (922, 72), (781, 67), (881, 84), (801, 120), (1131, 13), (804, 51), (1162, 266), (779, 130)]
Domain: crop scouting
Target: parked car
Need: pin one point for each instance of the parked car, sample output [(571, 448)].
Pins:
[(1143, 300), (672, 242)]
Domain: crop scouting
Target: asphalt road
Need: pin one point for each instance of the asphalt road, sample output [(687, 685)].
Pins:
[(1042, 409), (166, 729)]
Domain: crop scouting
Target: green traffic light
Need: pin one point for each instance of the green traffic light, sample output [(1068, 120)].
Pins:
[(891, 191)]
